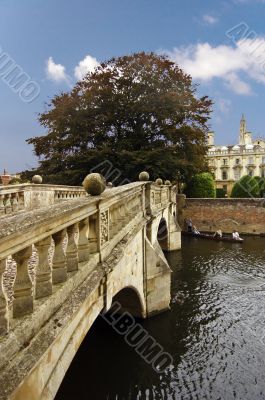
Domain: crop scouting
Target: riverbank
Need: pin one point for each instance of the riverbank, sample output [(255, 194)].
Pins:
[(245, 215)]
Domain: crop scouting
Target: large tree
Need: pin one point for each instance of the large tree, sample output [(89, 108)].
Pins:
[(137, 112)]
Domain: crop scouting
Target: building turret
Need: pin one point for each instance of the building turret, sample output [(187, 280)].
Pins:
[(244, 135), (210, 138)]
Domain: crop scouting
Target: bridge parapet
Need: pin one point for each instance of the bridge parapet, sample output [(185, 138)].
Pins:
[(50, 253), (158, 197), (15, 198), (43, 247)]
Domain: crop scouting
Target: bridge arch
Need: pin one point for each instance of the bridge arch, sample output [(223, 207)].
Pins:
[(117, 257), (131, 301), (162, 234)]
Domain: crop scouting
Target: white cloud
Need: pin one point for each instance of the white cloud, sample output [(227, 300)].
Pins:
[(237, 85), (209, 19), (205, 62), (55, 72), (88, 64)]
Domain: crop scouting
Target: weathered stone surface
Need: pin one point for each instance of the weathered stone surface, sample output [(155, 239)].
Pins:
[(41, 344), (37, 179), (143, 176), (159, 182), (94, 184)]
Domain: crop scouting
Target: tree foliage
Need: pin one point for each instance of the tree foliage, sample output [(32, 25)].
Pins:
[(247, 187), (139, 112), (201, 186)]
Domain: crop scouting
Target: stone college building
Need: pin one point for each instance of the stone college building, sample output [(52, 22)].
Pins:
[(230, 163)]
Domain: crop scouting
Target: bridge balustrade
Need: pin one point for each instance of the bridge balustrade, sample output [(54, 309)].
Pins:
[(16, 198), (41, 249), (58, 259)]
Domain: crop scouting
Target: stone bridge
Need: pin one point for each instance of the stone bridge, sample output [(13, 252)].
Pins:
[(64, 257)]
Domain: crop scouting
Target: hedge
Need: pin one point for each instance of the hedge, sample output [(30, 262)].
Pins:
[(201, 185)]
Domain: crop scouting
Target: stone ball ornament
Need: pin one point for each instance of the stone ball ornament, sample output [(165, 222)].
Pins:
[(159, 182), (167, 182), (94, 184), (144, 176), (110, 184), (37, 179)]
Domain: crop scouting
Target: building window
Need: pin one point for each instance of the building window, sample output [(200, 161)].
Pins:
[(224, 175), (237, 161), (263, 160), (263, 173), (250, 173), (225, 161), (237, 175), (225, 188)]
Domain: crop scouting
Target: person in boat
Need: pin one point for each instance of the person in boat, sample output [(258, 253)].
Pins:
[(235, 235), (195, 230), (218, 234), (189, 224)]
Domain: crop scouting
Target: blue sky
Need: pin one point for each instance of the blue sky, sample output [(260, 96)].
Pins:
[(54, 42)]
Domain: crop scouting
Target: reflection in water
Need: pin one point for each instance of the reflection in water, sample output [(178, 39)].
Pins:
[(214, 331)]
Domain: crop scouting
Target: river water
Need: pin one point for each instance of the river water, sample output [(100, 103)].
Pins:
[(215, 332)]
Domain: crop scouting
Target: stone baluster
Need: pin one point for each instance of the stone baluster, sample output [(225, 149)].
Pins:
[(23, 297), (4, 320), (2, 206), (15, 202), (43, 285), (72, 249), (59, 271), (93, 234), (8, 206), (83, 243), (21, 204)]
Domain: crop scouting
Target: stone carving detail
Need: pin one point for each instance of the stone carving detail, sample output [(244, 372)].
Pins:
[(104, 227), (4, 323)]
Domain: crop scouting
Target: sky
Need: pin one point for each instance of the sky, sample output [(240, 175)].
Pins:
[(50, 44)]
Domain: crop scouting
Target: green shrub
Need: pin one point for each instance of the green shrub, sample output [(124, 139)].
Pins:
[(201, 185), (15, 181), (220, 193), (247, 186)]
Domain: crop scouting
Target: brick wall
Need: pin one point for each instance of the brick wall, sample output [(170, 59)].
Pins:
[(245, 215)]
